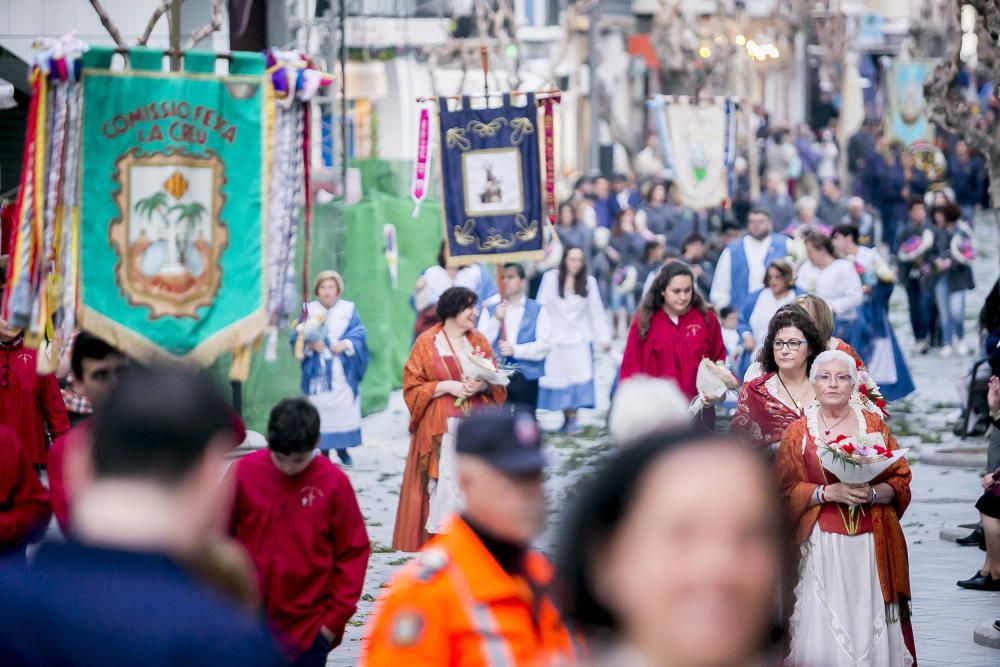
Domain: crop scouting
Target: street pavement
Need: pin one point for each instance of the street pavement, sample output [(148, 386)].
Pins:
[(944, 616)]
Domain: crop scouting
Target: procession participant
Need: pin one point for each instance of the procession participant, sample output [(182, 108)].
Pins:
[(31, 405), (148, 496), (655, 564), (779, 289), (884, 355), (744, 261), (96, 366), (297, 516), (24, 504), (834, 280), (433, 378), (672, 333), (862, 219), (852, 600), (519, 330), (833, 205), (822, 317), (577, 320), (915, 243), (332, 344), (954, 250), (433, 282), (770, 403), (478, 594)]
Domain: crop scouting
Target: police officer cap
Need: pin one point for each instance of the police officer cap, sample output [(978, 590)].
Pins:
[(511, 443)]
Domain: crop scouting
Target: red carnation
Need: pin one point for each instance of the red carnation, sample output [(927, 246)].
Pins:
[(847, 449)]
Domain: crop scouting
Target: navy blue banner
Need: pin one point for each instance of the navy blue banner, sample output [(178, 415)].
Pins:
[(492, 182)]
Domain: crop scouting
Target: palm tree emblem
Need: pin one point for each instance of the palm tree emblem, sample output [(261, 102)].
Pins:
[(178, 221)]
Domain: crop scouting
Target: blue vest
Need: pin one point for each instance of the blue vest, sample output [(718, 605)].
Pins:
[(740, 269), (531, 370)]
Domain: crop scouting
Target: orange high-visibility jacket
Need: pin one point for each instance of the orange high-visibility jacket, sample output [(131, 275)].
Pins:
[(454, 606)]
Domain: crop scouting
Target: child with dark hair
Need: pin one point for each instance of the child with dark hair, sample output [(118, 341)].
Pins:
[(297, 516)]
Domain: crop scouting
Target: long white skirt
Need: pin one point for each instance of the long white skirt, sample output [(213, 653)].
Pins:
[(840, 616), (445, 498)]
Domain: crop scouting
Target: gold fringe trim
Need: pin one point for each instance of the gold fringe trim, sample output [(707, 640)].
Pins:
[(144, 350)]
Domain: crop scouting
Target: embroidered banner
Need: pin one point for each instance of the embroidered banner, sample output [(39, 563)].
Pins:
[(492, 182), (905, 101), (174, 206), (694, 139)]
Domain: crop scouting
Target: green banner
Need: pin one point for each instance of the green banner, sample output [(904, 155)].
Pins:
[(174, 206)]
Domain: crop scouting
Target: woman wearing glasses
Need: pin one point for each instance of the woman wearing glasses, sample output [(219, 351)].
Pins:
[(851, 602), (770, 403)]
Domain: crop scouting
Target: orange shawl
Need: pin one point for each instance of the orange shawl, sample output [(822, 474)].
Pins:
[(890, 544), (428, 423)]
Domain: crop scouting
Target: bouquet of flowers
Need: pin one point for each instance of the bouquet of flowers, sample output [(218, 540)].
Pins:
[(870, 394), (857, 461), (479, 364), (962, 249), (311, 330), (916, 245)]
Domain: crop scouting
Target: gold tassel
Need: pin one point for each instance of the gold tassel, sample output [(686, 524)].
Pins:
[(240, 369)]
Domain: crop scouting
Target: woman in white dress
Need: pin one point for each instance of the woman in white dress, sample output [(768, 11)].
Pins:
[(852, 598), (332, 345), (755, 315), (573, 302), (836, 281)]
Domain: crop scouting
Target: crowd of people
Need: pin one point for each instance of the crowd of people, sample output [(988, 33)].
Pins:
[(769, 320)]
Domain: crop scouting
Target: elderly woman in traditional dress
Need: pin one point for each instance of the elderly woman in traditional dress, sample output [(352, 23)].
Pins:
[(852, 599), (772, 402), (332, 345), (434, 383)]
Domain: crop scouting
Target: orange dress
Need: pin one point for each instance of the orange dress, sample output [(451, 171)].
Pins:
[(428, 424)]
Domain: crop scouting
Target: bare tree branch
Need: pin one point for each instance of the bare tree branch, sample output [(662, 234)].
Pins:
[(109, 25), (157, 14), (207, 29)]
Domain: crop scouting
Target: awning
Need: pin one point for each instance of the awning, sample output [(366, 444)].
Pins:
[(7, 95), (641, 46)]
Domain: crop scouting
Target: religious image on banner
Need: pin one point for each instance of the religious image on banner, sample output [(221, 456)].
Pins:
[(907, 121), (169, 237), (699, 140), (174, 208), (492, 182)]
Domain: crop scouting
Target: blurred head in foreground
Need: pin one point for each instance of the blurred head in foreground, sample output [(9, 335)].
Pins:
[(644, 405), (673, 552), (150, 480)]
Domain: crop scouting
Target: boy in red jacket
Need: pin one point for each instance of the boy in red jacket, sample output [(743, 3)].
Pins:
[(298, 518), (24, 504)]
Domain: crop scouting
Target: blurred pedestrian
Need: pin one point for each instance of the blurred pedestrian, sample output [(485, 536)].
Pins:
[(656, 562), (832, 205), (331, 344), (311, 562), (519, 330), (478, 594), (967, 178), (147, 497), (834, 280), (31, 405), (572, 231), (775, 200), (915, 265), (438, 392), (953, 254), (858, 216), (96, 367), (624, 195), (578, 320), (622, 257), (643, 405), (24, 503)]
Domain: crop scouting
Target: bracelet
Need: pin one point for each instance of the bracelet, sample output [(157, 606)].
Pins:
[(820, 494), (874, 495)]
